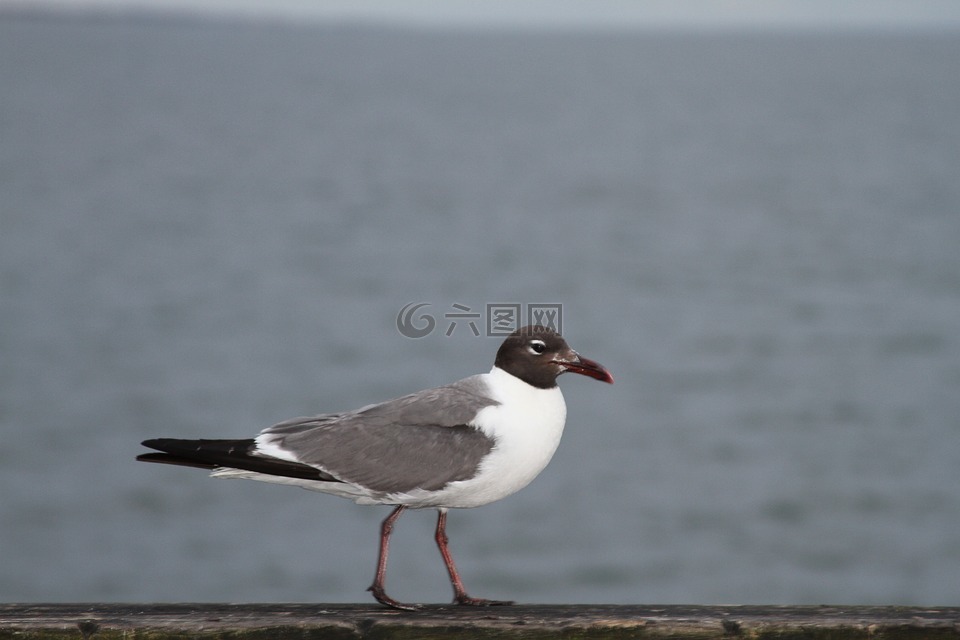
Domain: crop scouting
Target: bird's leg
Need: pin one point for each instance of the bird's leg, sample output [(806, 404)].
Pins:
[(386, 528), (459, 593)]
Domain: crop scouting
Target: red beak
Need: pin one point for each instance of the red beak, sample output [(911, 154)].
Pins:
[(586, 367)]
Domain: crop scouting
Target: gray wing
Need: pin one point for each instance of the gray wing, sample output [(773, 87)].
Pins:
[(422, 440)]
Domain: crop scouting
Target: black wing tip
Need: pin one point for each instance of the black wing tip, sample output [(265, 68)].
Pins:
[(203, 454), (177, 445), (229, 454)]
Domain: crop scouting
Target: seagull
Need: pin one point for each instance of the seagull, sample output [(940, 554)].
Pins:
[(462, 445)]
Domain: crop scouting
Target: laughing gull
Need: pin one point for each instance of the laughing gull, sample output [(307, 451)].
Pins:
[(462, 445)]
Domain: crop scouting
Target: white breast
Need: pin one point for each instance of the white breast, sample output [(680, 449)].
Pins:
[(526, 426)]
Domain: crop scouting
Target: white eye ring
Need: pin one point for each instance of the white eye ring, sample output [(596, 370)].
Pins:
[(537, 347)]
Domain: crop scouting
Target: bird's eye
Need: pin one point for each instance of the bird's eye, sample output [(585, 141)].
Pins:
[(536, 347)]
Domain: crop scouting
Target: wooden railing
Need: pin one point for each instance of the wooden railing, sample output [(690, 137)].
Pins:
[(357, 621)]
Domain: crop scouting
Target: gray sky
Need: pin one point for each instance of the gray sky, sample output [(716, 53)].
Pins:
[(565, 13)]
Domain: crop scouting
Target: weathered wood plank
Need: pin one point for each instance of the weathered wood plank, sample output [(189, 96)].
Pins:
[(529, 622)]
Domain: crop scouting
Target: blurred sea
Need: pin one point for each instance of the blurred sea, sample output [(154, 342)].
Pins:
[(208, 227)]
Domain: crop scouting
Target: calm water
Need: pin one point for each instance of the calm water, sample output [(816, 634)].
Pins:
[(207, 228)]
